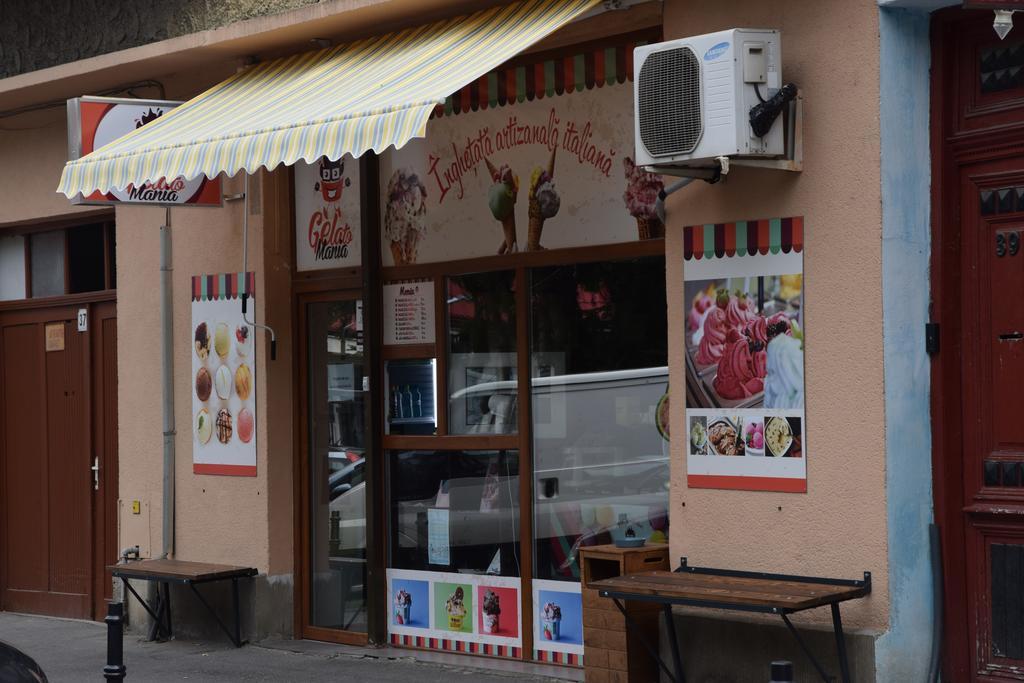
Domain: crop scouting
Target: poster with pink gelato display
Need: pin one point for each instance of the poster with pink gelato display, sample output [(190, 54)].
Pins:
[(550, 172), (745, 414)]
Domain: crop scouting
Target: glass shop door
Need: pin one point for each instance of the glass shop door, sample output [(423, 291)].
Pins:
[(334, 405)]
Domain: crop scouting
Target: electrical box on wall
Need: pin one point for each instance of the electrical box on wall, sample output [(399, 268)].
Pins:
[(133, 527), (705, 98)]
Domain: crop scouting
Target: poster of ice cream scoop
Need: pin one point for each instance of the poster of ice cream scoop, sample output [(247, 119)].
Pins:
[(327, 214), (223, 376), (557, 619), (745, 416), (545, 173)]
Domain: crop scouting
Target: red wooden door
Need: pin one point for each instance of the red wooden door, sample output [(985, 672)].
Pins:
[(978, 298), (46, 497)]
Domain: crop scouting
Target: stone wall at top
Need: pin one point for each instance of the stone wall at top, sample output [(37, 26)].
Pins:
[(35, 35)]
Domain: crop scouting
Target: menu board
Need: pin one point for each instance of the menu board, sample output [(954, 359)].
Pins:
[(223, 376), (409, 313), (745, 416)]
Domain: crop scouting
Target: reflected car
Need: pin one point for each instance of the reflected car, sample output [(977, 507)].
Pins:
[(18, 667)]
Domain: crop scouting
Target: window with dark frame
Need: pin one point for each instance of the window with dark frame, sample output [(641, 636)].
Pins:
[(51, 263)]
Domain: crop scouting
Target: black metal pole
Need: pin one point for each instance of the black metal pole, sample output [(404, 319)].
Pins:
[(115, 669)]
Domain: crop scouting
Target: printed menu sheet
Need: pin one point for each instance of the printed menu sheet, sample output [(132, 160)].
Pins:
[(223, 376), (409, 313), (745, 415)]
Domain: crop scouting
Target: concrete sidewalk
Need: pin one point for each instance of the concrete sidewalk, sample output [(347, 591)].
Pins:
[(74, 651)]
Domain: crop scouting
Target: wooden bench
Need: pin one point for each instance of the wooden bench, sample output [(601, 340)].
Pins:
[(727, 589), (166, 572)]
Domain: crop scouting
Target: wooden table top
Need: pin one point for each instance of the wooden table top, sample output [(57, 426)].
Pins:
[(179, 570), (744, 592), (612, 550)]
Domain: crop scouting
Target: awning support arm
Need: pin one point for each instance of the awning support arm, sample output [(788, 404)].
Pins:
[(245, 270)]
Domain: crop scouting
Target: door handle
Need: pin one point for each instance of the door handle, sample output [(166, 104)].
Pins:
[(95, 473)]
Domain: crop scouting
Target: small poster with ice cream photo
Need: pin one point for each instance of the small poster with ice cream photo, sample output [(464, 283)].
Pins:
[(745, 336)]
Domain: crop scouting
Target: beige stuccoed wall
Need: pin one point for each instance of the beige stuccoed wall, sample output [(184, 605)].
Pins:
[(830, 49), (33, 149)]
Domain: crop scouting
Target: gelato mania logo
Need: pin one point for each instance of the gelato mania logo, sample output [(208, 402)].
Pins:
[(329, 234), (574, 138), (160, 191)]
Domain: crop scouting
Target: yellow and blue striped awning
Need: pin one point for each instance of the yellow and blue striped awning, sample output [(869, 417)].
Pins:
[(369, 94)]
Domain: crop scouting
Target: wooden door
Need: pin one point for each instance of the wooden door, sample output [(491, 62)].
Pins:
[(103, 343), (46, 503), (58, 417), (978, 299)]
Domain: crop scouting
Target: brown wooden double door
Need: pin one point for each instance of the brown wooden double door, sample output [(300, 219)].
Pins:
[(58, 459), (978, 376)]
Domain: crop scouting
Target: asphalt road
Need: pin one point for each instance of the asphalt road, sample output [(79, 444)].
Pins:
[(74, 651)]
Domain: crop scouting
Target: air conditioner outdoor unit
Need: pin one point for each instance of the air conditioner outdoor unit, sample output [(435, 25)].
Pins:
[(693, 98)]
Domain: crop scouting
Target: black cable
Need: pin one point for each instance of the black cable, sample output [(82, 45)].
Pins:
[(757, 91), (128, 89)]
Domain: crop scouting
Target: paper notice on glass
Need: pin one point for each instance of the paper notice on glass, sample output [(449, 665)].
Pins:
[(409, 313), (438, 537)]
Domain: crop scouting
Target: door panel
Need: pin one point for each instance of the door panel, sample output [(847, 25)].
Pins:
[(977, 128), (47, 506), (25, 472), (103, 322), (992, 366)]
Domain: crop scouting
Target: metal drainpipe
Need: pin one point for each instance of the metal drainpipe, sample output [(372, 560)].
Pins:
[(167, 375)]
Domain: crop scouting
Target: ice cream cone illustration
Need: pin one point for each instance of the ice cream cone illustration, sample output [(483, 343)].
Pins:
[(405, 215), (501, 199), (544, 201), (641, 196)]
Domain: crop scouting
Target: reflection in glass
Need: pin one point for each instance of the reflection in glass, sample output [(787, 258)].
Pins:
[(337, 438), (598, 365), (47, 256), (455, 511), (482, 353)]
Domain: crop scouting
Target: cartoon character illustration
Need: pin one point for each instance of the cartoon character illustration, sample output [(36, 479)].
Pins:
[(331, 182)]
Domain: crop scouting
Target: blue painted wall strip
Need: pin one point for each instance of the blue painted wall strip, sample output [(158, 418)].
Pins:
[(902, 654)]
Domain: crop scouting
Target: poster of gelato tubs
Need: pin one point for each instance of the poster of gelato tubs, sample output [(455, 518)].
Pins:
[(547, 173), (745, 337), (468, 608), (223, 376)]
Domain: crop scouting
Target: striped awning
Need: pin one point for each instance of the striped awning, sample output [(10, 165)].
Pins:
[(370, 94)]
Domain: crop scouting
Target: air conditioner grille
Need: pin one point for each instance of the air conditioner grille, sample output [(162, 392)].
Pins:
[(669, 102)]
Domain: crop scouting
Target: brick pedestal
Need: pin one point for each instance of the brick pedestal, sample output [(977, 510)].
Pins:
[(613, 655)]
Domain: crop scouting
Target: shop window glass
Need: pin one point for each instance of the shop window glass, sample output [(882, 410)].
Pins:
[(86, 260), (482, 353), (47, 263), (410, 396), (12, 268), (455, 511), (337, 388), (599, 372)]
